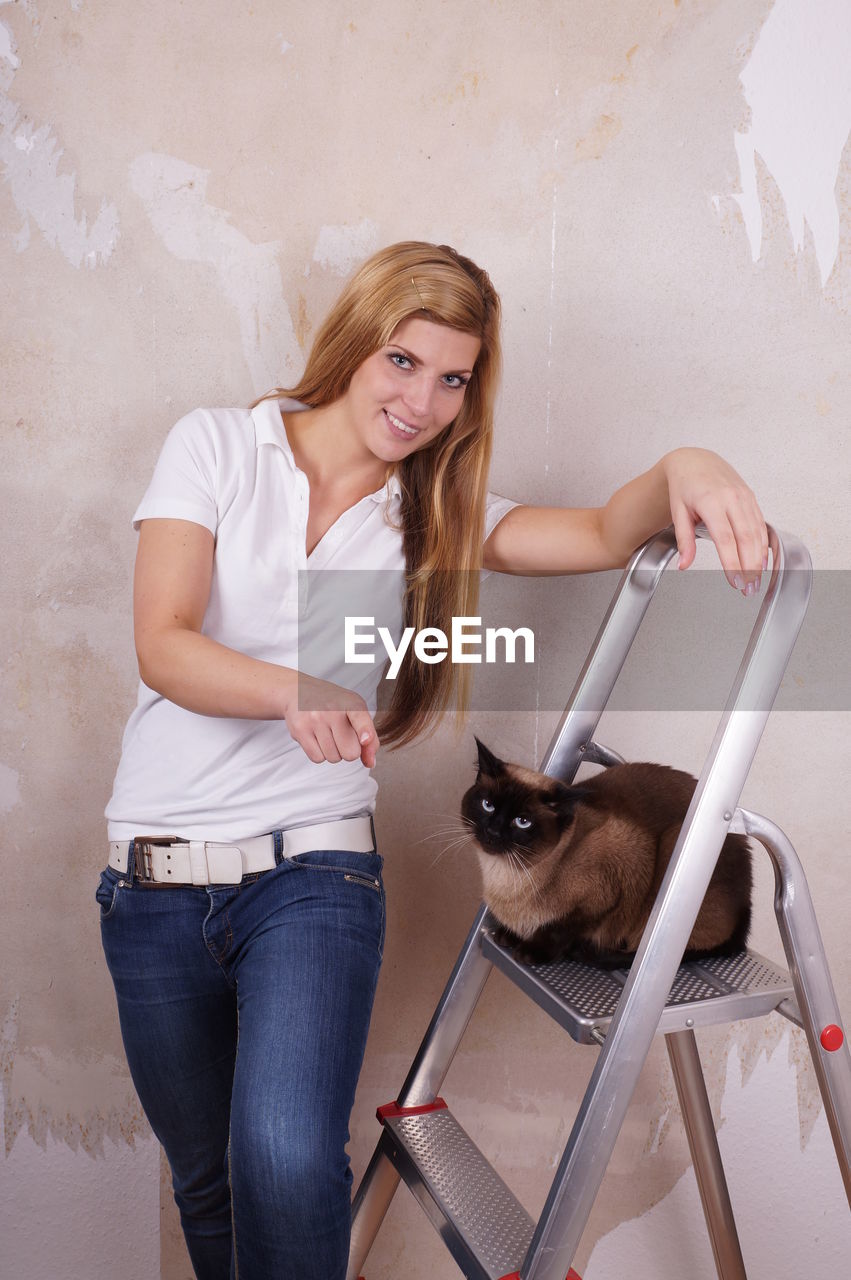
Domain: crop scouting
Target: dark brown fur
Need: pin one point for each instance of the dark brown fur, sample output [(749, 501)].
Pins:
[(581, 879)]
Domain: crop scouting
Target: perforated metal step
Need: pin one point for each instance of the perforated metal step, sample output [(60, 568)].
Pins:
[(582, 998), (482, 1223)]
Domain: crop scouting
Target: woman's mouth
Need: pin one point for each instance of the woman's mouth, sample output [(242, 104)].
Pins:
[(399, 428)]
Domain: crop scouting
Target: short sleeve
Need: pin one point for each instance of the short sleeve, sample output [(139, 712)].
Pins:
[(183, 486), (496, 508)]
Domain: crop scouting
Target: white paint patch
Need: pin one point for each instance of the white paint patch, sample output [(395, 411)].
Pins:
[(174, 195), (285, 44), (29, 158), (10, 792), (63, 1213), (791, 1210), (7, 47), (342, 248), (798, 87)]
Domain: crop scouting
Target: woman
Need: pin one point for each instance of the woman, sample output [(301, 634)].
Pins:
[(242, 908)]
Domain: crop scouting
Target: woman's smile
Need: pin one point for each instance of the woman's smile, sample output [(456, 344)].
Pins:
[(400, 428)]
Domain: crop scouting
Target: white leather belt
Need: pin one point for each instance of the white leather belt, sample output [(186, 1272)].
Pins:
[(170, 860)]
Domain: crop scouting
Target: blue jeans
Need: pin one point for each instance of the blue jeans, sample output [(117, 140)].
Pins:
[(244, 1012)]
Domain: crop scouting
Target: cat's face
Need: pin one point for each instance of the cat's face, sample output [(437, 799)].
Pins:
[(510, 809)]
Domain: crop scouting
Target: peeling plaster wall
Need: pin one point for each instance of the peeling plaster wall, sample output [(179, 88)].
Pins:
[(662, 193)]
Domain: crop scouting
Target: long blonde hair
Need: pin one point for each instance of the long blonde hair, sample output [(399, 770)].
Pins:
[(444, 486)]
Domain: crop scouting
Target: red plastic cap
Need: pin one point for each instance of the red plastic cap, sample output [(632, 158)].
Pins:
[(391, 1110), (515, 1275), (832, 1038)]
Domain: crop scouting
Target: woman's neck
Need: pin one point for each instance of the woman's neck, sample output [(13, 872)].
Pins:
[(329, 454)]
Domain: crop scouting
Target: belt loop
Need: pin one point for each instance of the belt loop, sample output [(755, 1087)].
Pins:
[(278, 844), (131, 860), (198, 862), (372, 829)]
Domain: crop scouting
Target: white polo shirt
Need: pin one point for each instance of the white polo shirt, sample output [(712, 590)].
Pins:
[(196, 776)]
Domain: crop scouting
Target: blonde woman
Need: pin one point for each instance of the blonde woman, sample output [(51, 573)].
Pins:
[(242, 908)]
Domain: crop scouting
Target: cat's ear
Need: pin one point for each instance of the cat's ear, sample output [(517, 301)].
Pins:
[(489, 764), (563, 800)]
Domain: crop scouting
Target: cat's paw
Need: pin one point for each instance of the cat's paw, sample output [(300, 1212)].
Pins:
[(503, 937), (528, 952), (510, 941)]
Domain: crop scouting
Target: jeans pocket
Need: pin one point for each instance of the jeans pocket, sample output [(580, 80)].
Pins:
[(366, 899), (106, 894), (362, 868), (368, 882)]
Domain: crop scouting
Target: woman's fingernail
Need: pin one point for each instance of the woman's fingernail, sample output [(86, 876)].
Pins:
[(364, 736), (737, 583), (765, 561), (750, 588)]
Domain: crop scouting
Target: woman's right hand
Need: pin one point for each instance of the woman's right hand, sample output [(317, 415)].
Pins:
[(330, 723), (174, 567)]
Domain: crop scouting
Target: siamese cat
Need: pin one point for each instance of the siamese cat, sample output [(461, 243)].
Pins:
[(573, 871)]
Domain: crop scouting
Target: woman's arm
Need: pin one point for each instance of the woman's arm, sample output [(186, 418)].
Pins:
[(174, 567), (686, 486)]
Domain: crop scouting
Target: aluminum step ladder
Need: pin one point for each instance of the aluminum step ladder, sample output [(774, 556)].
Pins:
[(488, 1232)]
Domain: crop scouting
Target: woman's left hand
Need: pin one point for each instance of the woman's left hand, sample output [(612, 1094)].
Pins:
[(703, 487)]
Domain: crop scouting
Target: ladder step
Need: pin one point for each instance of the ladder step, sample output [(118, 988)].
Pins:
[(582, 998), (482, 1223)]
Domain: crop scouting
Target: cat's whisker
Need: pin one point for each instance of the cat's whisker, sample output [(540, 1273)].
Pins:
[(513, 862), (445, 813), (461, 828), (458, 843), (523, 867), (440, 831)]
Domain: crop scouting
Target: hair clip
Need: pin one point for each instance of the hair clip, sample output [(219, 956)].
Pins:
[(423, 306)]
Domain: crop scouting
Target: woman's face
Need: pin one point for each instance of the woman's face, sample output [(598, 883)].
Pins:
[(405, 394)]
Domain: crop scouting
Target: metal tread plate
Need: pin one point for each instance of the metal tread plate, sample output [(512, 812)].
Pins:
[(482, 1223), (582, 998)]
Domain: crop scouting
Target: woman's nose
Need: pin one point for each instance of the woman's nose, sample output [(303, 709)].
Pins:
[(418, 395)]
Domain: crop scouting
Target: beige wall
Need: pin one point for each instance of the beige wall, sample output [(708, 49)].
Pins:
[(661, 193)]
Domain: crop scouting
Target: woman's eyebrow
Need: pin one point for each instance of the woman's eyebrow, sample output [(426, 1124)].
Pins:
[(397, 346)]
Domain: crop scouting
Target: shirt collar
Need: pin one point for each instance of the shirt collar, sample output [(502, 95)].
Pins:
[(269, 429)]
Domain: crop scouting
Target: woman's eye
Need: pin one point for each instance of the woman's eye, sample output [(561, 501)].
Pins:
[(487, 805), (401, 361), (522, 822), (454, 381)]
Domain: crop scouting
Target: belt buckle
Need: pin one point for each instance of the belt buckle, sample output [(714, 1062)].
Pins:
[(143, 868)]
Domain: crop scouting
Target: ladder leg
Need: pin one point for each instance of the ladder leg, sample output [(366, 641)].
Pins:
[(796, 919), (376, 1190), (706, 1158), (425, 1077)]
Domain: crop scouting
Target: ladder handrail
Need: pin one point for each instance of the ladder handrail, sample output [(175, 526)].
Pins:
[(706, 824)]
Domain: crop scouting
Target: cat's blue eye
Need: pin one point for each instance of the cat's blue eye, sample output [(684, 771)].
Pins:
[(487, 805), (523, 822)]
